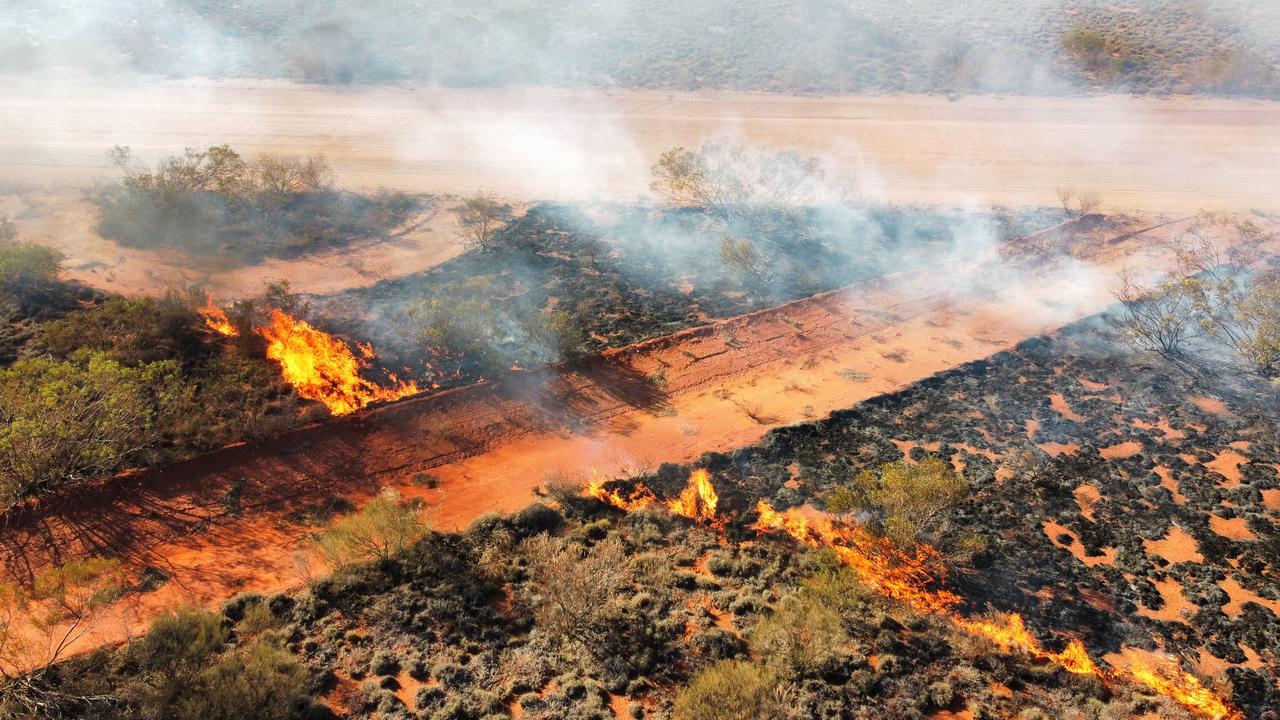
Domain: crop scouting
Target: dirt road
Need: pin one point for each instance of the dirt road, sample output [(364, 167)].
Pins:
[(227, 522), (1174, 155)]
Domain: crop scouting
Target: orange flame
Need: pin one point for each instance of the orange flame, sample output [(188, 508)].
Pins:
[(217, 320), (888, 569), (697, 501), (910, 577), (639, 497), (1184, 688), (322, 367)]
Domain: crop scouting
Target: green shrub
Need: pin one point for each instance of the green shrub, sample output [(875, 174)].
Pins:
[(383, 528), (28, 274), (182, 638), (799, 637), (67, 421), (729, 690), (1086, 48), (132, 331), (257, 682)]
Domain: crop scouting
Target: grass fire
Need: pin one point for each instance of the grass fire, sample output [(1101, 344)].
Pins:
[(319, 366), (640, 360), (911, 578)]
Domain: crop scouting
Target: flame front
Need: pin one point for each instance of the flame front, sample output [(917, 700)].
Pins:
[(1169, 680), (888, 569), (323, 368), (697, 501), (217, 320)]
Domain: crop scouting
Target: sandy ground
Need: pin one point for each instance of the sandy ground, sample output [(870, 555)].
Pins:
[(716, 387), (1175, 155), (64, 218)]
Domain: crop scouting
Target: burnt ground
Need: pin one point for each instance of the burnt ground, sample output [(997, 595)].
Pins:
[(451, 629), (1081, 456), (627, 273)]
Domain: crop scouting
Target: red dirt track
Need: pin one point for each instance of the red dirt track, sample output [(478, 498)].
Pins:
[(670, 399)]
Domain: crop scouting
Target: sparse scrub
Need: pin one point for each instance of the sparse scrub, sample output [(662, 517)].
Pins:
[(380, 530), (213, 202), (480, 216)]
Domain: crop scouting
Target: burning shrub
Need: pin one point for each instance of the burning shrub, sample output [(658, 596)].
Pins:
[(909, 503)]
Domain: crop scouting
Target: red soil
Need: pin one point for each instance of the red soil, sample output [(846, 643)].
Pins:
[(1168, 482), (492, 445), (1176, 546), (1210, 405), (1087, 497), (1175, 602), (1227, 464), (1128, 448), (1054, 530), (1233, 528), (1240, 595), (1271, 499), (1060, 406)]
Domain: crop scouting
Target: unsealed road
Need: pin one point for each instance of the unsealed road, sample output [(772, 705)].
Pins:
[(1175, 155)]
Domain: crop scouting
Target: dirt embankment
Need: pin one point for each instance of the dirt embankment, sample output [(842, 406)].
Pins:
[(228, 522)]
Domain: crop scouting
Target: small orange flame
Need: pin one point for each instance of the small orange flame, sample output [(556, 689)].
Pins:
[(911, 577), (907, 577), (322, 367), (1184, 688), (217, 320), (698, 500)]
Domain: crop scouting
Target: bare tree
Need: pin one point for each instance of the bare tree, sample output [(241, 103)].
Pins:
[(576, 589), (735, 181), (1065, 196), (41, 622), (479, 217), (286, 174), (1088, 202), (1159, 319), (1217, 291)]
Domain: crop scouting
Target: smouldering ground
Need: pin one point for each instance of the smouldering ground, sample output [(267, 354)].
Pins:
[(667, 400)]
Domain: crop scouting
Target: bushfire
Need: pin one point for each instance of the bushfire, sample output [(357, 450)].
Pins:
[(322, 367), (319, 366), (909, 578), (697, 501), (893, 572), (217, 320)]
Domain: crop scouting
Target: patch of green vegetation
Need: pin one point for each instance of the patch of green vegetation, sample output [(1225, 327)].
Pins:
[(214, 203)]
